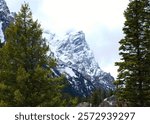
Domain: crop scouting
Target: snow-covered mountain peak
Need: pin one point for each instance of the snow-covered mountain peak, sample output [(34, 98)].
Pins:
[(74, 51)]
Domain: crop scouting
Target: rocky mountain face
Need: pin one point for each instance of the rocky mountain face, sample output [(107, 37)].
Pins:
[(74, 59), (77, 61)]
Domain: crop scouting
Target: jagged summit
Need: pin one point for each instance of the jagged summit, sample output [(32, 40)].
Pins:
[(74, 51)]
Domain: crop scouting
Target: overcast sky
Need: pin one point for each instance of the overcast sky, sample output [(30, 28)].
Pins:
[(100, 20)]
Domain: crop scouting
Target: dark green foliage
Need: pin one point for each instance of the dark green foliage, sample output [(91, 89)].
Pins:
[(133, 82), (24, 80), (97, 97)]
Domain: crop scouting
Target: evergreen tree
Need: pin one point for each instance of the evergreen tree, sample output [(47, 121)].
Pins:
[(97, 97), (133, 82), (26, 78)]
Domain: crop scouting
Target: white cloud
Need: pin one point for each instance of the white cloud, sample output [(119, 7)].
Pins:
[(101, 20), (82, 14)]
